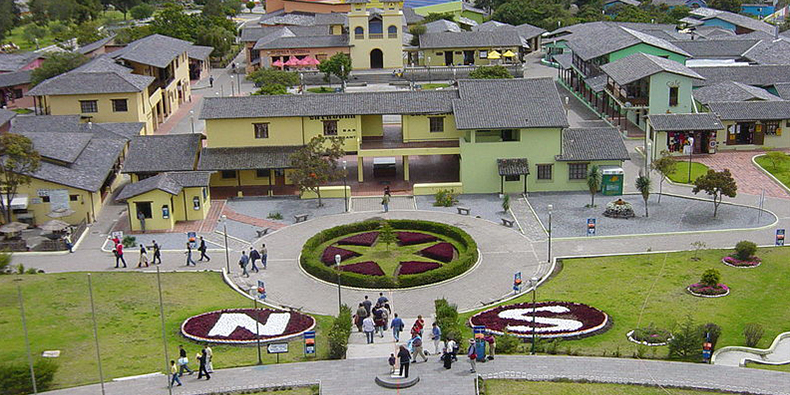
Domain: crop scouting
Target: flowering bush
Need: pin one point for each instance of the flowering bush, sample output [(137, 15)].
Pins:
[(733, 261), (411, 238), (441, 252), (551, 319), (363, 239), (369, 268), (650, 335), (328, 257), (699, 289), (619, 209), (414, 267), (239, 326)]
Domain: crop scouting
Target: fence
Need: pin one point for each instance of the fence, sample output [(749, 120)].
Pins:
[(60, 244), (233, 390)]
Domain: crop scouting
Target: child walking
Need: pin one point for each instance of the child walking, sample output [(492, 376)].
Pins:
[(392, 363)]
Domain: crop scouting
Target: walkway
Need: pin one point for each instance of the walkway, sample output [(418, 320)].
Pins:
[(749, 178), (779, 352), (355, 376)]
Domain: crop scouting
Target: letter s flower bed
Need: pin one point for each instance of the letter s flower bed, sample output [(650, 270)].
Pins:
[(552, 319)]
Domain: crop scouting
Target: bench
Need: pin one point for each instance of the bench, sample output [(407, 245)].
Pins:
[(507, 222), (463, 210), (300, 217), (262, 232)]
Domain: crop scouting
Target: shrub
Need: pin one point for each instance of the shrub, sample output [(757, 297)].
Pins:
[(506, 203), (710, 278), (275, 215), (507, 344), (712, 330), (15, 377), (753, 333), (685, 341), (447, 319), (651, 334), (445, 198), (387, 235), (339, 333), (745, 250), (129, 241)]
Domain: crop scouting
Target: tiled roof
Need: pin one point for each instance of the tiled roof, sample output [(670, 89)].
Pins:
[(769, 52), (597, 83), (442, 25), (411, 17), (640, 65), (588, 144), (735, 19), (783, 90), (280, 17), (16, 61), (601, 39), (489, 26), (716, 49), (327, 41), (482, 39), (6, 116), (731, 91), (508, 104), (751, 110), (759, 75), (101, 75), (60, 146), (14, 78), (246, 158), (90, 47), (199, 52), (253, 33), (684, 122), (332, 18), (513, 167), (156, 154), (634, 3), (171, 183), (124, 131), (42, 123), (155, 50)]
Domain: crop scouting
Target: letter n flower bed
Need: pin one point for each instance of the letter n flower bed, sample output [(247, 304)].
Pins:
[(246, 326)]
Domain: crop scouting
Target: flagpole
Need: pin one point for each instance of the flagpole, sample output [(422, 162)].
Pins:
[(164, 333), (27, 340), (96, 333)]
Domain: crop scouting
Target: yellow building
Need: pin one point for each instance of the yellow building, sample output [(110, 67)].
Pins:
[(375, 37), (158, 202)]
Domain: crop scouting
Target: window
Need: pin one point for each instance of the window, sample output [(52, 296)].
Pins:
[(119, 105), (261, 130), (577, 171), (89, 106), (515, 177), (436, 124), (359, 32), (144, 208), (483, 54), (262, 173), (205, 193), (544, 172), (375, 28), (45, 199), (74, 198), (17, 93), (771, 127), (330, 128), (673, 96), (392, 32), (228, 174)]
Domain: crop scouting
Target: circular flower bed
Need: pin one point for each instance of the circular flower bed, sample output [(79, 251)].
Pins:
[(244, 326), (650, 336), (551, 319), (735, 262), (419, 252), (707, 291), (619, 209)]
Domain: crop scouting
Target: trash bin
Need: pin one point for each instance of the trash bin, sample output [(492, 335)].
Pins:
[(611, 180)]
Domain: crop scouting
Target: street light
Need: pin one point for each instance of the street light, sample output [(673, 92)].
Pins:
[(232, 87), (533, 282), (551, 207), (225, 230), (337, 264), (192, 119), (257, 328), (691, 151), (428, 66), (345, 192)]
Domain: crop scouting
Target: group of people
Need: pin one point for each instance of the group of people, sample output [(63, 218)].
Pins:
[(202, 248), (143, 260), (251, 257), (205, 365), (373, 319)]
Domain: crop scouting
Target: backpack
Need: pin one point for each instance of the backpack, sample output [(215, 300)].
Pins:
[(417, 342)]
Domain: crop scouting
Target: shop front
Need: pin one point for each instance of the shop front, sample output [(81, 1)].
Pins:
[(745, 133), (704, 142)]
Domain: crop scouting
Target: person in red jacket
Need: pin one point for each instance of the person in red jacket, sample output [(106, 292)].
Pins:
[(119, 255)]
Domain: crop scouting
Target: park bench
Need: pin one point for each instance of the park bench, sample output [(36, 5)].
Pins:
[(507, 222), (262, 232), (300, 217), (463, 210)]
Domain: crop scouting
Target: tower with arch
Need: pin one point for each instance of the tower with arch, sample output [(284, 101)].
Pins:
[(376, 34)]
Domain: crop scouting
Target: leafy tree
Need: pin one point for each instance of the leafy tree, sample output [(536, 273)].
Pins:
[(86, 10), (60, 31), (213, 8), (33, 32), (129, 34), (685, 340), (745, 250), (489, 5), (777, 158), (435, 16), (88, 32), (217, 37), (57, 64), (540, 13), (726, 5), (717, 184), (710, 330), (386, 234), (250, 6), (315, 164), (697, 245), (9, 16), (643, 185), (272, 89), (20, 161), (338, 65), (593, 182), (710, 278), (753, 333), (62, 10), (232, 7), (39, 11), (416, 31), (268, 76), (142, 11), (664, 165), (125, 5), (174, 22), (490, 73)]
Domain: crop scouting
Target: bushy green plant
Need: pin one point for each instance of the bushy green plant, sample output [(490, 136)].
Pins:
[(15, 377), (710, 278), (275, 215), (129, 241), (339, 333), (745, 249), (506, 203), (445, 198), (386, 234), (753, 333), (685, 340), (447, 319), (507, 344), (712, 330)]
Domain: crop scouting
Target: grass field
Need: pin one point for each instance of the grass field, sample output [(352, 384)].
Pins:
[(321, 89), (519, 387), (681, 173), (778, 368), (17, 37), (781, 172), (127, 308), (642, 289), (435, 85)]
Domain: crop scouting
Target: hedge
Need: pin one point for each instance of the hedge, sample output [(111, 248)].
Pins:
[(15, 377), (339, 333), (467, 255)]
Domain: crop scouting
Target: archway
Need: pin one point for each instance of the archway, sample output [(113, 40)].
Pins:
[(376, 59)]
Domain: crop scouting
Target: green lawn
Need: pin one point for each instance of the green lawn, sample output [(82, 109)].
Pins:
[(781, 171), (16, 35), (127, 309), (322, 89), (437, 85), (621, 285), (778, 368), (519, 387), (681, 173)]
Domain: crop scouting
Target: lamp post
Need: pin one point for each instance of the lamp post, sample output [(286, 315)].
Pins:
[(337, 264), (345, 176), (257, 328), (225, 231), (691, 151), (232, 86), (551, 207), (192, 119), (27, 340), (95, 333), (428, 66), (533, 282)]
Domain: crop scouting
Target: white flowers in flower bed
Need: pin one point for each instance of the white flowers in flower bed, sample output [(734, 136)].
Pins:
[(619, 209)]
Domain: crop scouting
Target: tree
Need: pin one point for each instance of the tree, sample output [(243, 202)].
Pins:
[(338, 65), (39, 11), (173, 21), (86, 10), (213, 8), (490, 73), (435, 16), (685, 340), (272, 89), (717, 184), (315, 164), (777, 158), (9, 16), (643, 185), (386, 234), (57, 64), (129, 34), (217, 37), (62, 10), (753, 333), (593, 182), (142, 11), (416, 31), (268, 76), (540, 13), (726, 5), (665, 165), (32, 33), (88, 32), (710, 278), (232, 7), (125, 5), (250, 6), (20, 161)]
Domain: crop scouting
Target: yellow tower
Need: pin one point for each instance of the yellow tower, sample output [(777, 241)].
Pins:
[(376, 35)]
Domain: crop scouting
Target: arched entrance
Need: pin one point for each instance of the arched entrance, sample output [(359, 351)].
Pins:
[(376, 59)]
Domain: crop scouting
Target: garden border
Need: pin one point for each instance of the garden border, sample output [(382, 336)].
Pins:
[(741, 267), (692, 293), (632, 340)]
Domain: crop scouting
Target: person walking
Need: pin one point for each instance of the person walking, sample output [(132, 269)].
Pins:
[(367, 303), (452, 348), (491, 340), (382, 299), (378, 312), (211, 81), (143, 257), (254, 256), (157, 253), (209, 362), (202, 248), (472, 354), (405, 359), (189, 255), (243, 261), (360, 316), (119, 255), (397, 327), (174, 374), (69, 243), (391, 361), (436, 336), (183, 361), (368, 326), (416, 346), (385, 318), (418, 325), (447, 358), (202, 358), (264, 255), (385, 201)]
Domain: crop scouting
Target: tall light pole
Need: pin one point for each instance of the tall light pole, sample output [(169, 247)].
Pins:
[(337, 264), (428, 66), (551, 207), (345, 176), (164, 332), (238, 84), (257, 327), (95, 333), (691, 151), (232, 86), (225, 231), (534, 283), (27, 340), (192, 120)]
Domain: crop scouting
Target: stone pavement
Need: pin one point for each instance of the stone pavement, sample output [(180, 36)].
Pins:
[(749, 178), (779, 353), (356, 376)]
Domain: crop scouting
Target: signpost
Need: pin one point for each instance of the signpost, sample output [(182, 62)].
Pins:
[(480, 343), (780, 237), (192, 239), (261, 290), (517, 282), (590, 226), (277, 349), (309, 343)]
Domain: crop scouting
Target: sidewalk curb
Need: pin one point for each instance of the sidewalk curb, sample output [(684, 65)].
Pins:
[(768, 173)]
